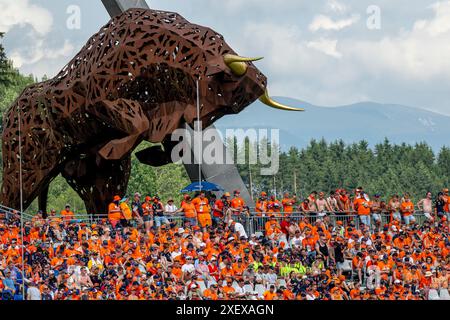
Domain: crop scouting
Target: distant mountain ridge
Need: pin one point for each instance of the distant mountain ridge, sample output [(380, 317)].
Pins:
[(370, 121)]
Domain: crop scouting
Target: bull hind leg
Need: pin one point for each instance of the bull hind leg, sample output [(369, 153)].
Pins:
[(96, 182), (39, 167)]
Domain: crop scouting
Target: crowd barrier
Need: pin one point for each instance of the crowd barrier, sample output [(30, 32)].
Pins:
[(253, 222)]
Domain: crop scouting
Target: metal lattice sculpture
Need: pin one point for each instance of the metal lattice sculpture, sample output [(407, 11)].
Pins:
[(132, 81)]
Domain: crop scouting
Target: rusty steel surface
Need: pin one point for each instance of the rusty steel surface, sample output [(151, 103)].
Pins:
[(133, 81)]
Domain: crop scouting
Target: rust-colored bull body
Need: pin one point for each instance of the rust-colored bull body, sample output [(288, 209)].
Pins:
[(133, 81)]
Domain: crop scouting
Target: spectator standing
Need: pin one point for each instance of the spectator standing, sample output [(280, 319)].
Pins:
[(362, 207), (67, 214), (170, 208), (158, 212), (426, 206), (407, 209)]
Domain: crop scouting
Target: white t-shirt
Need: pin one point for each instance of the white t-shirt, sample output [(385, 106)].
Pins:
[(33, 293), (188, 268), (239, 228), (297, 242), (170, 208), (310, 297)]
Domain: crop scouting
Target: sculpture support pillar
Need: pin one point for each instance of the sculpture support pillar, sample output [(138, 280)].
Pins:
[(116, 7), (225, 175)]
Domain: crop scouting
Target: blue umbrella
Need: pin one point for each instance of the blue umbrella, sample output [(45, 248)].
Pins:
[(202, 186)]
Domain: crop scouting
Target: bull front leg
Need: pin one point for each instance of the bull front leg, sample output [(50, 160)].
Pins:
[(125, 116)]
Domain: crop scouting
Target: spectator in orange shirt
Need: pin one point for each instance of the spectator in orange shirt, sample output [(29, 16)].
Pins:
[(261, 205), (228, 289), (288, 203), (67, 214), (270, 294), (220, 207), (237, 203), (274, 205), (362, 207), (114, 212), (407, 209), (211, 293), (190, 212), (203, 209)]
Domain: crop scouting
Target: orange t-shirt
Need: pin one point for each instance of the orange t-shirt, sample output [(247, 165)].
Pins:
[(237, 203), (189, 210), (261, 206), (407, 208), (363, 206), (208, 293), (201, 205), (125, 210), (67, 215), (113, 215), (288, 205), (269, 295)]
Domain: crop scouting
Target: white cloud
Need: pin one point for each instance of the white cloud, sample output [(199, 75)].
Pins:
[(421, 53), (326, 46), (326, 23), (22, 13), (39, 51), (336, 6), (441, 22), (33, 52)]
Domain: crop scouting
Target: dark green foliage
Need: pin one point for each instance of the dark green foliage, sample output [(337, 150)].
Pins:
[(385, 169)]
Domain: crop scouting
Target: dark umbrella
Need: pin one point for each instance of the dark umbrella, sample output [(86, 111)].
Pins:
[(202, 186)]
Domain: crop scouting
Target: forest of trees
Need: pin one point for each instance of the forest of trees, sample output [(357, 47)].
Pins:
[(386, 169), (322, 166)]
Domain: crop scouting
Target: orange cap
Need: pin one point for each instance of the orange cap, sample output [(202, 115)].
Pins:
[(117, 198), (148, 198), (263, 194)]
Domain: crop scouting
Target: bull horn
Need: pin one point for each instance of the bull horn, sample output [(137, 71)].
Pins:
[(230, 58), (267, 100), (238, 64)]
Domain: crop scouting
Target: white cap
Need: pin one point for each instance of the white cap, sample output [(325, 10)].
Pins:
[(230, 238), (397, 281), (180, 230)]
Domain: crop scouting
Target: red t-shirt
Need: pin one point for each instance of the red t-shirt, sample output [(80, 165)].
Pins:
[(219, 204)]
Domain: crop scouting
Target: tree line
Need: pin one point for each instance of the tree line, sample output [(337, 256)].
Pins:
[(386, 169)]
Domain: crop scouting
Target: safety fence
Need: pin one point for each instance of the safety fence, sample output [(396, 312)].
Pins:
[(253, 222)]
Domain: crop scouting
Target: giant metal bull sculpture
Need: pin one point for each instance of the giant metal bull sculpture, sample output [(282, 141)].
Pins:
[(135, 80)]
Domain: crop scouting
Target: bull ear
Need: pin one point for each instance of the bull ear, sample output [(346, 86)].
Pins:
[(213, 70)]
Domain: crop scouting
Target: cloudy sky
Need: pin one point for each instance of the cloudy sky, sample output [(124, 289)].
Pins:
[(326, 52)]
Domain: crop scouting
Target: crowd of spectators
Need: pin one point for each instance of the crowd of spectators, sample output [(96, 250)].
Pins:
[(140, 252)]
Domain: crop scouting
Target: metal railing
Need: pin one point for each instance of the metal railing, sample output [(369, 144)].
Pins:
[(252, 222), (255, 223)]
